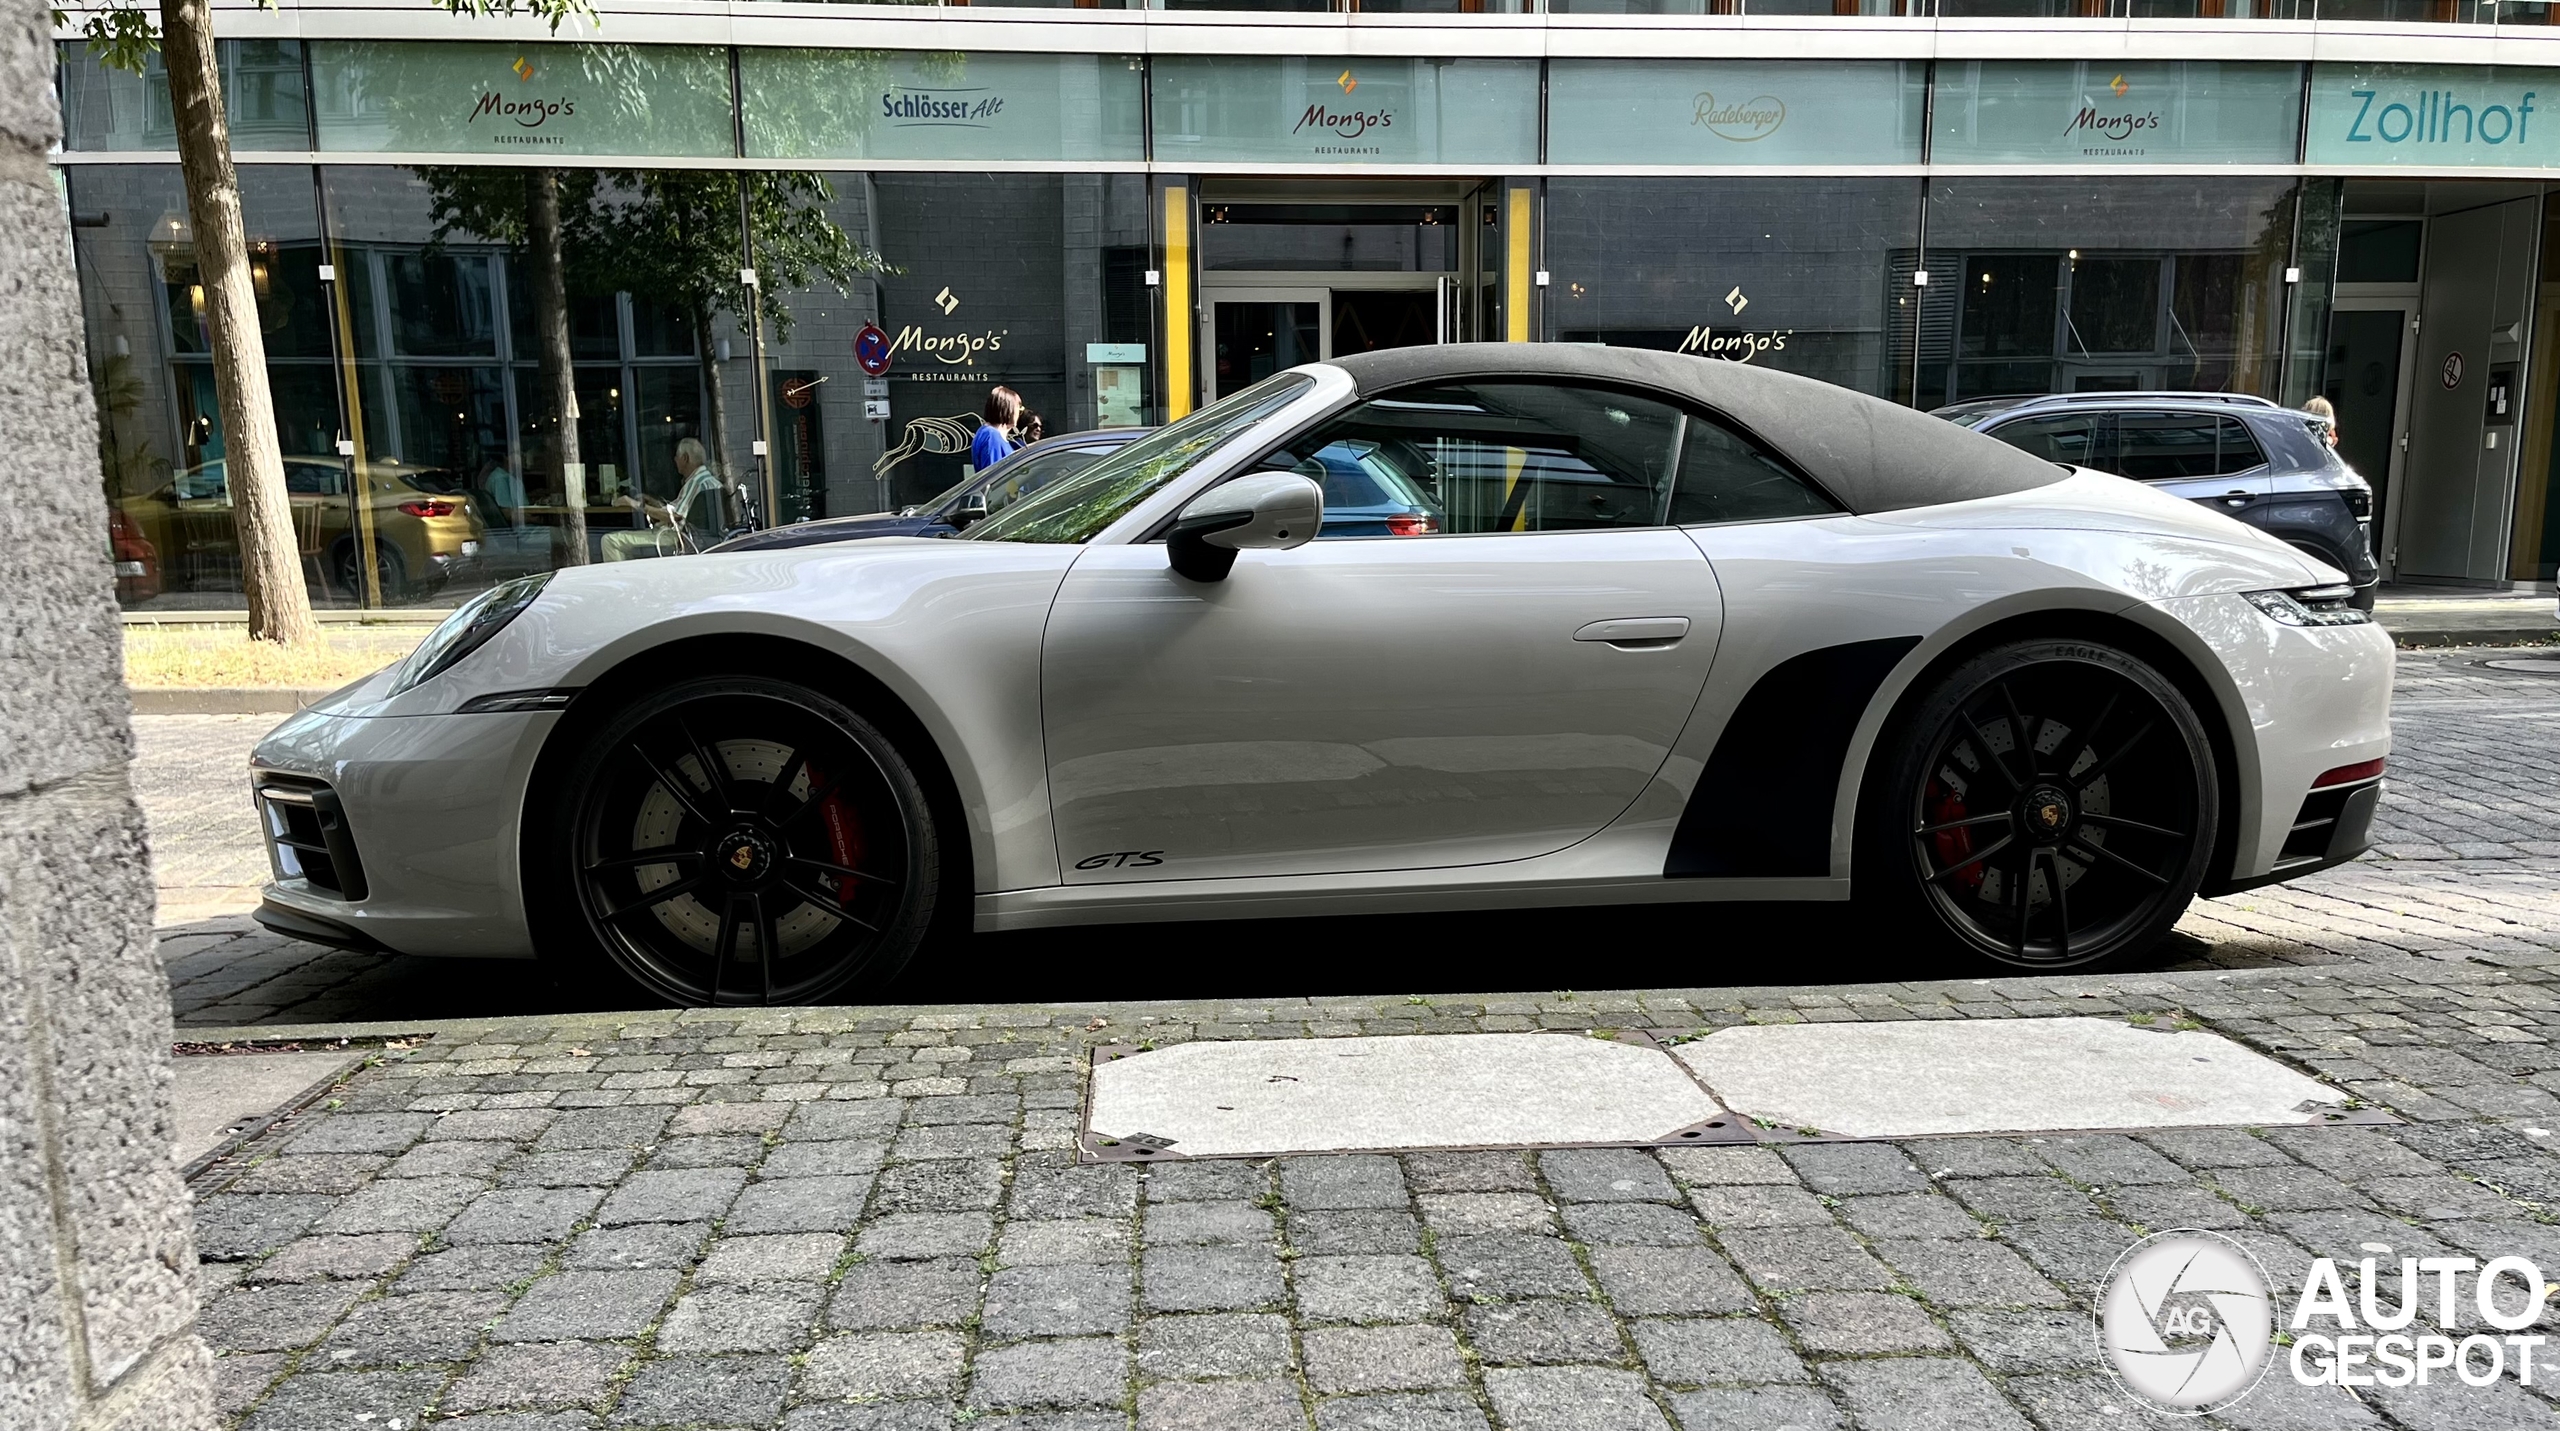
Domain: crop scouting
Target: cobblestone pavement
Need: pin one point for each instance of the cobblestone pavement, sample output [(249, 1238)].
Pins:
[(848, 1218), (869, 1219), (2469, 865)]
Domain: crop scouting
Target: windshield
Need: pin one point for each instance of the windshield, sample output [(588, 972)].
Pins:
[(1071, 511)]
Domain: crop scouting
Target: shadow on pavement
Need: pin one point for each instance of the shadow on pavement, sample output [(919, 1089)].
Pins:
[(225, 973)]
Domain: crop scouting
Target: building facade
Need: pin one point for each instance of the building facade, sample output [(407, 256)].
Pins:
[(813, 236)]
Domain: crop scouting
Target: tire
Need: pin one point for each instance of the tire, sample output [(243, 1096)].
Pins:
[(347, 570), (807, 872), (2103, 819)]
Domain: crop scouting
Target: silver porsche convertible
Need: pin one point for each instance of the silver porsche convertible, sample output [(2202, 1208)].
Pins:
[(1645, 628)]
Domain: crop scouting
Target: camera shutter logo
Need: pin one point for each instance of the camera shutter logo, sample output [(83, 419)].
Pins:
[(2186, 1321)]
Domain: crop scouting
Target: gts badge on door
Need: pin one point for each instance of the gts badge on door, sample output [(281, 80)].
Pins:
[(1121, 859)]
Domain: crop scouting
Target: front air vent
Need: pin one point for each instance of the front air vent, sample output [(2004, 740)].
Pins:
[(307, 835)]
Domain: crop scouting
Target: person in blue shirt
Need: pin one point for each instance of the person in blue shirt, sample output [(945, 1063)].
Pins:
[(995, 429)]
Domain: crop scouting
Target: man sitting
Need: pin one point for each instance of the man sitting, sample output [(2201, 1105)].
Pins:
[(692, 522)]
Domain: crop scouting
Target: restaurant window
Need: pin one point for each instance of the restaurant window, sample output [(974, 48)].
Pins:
[(1788, 273), (163, 452), (2127, 284)]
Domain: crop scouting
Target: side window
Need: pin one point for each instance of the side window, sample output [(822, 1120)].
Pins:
[(1726, 477), (1029, 476), (314, 479), (2234, 450), (2157, 446), (2074, 438), (1491, 456)]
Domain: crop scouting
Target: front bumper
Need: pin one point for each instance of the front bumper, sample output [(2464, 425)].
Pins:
[(2302, 702), (428, 810)]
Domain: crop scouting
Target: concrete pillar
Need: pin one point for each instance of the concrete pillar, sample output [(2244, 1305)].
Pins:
[(97, 1254)]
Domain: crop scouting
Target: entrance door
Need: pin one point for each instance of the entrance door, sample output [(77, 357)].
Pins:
[(2368, 383), (2457, 490), (1255, 332)]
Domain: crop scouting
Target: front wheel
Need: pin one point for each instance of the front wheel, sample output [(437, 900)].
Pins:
[(2053, 806), (738, 840)]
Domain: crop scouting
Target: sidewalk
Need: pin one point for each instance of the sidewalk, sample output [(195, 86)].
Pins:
[(872, 1218), (2424, 616)]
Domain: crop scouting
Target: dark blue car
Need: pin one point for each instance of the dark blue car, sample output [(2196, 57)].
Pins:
[(1027, 471)]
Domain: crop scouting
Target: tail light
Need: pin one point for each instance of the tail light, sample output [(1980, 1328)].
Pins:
[(2349, 774), (1412, 524), (2360, 503), (430, 507)]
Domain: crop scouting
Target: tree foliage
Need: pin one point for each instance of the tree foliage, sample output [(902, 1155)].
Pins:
[(122, 33)]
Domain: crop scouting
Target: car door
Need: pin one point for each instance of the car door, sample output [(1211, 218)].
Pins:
[(2205, 457), (1493, 684)]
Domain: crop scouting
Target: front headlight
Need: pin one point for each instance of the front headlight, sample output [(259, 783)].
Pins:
[(2309, 606), (467, 630)]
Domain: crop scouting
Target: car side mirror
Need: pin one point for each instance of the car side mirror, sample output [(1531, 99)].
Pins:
[(971, 507), (1268, 512)]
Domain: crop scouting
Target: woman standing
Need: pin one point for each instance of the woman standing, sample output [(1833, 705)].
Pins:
[(994, 441), (2327, 412)]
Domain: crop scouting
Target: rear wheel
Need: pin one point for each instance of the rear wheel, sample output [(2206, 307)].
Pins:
[(738, 840), (390, 568), (2054, 806)]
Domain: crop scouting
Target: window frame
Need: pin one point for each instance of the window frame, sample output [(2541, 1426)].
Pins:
[(1689, 408), (2217, 420), (2102, 435)]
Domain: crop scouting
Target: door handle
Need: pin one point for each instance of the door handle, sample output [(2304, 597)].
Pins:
[(1636, 633), (2237, 498)]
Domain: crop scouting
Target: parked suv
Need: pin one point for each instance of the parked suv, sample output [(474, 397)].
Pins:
[(2267, 465)]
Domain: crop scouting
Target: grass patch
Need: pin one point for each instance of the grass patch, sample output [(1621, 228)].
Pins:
[(199, 656)]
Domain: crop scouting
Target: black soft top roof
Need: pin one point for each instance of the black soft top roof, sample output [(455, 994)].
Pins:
[(1873, 455)]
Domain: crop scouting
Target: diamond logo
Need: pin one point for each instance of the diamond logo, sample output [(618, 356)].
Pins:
[(2119, 86), (1736, 301), (946, 302), (1347, 82), (523, 68)]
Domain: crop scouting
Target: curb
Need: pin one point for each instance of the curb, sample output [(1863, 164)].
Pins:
[(224, 700), (2481, 636)]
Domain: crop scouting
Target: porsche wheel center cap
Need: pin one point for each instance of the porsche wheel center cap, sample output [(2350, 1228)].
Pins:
[(744, 856), (2046, 813)]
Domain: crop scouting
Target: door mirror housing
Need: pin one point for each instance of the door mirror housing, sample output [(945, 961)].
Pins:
[(971, 507), (1266, 512)]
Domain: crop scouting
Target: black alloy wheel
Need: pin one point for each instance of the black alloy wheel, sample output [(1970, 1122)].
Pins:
[(747, 841), (2056, 806), (390, 569)]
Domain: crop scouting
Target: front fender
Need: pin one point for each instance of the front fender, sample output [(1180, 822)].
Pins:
[(952, 629)]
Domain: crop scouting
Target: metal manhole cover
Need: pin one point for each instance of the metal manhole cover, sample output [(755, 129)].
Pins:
[(2526, 665)]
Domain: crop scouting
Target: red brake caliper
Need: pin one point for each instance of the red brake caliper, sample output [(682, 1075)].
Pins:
[(1950, 846), (844, 842)]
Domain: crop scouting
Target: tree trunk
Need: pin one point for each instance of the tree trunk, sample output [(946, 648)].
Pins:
[(715, 413), (559, 376), (270, 558)]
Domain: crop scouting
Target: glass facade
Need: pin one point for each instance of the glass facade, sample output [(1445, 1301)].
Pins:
[(522, 281), (910, 105), (426, 422), (1715, 113), (2109, 112), (2047, 285), (1257, 109), (1785, 273)]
